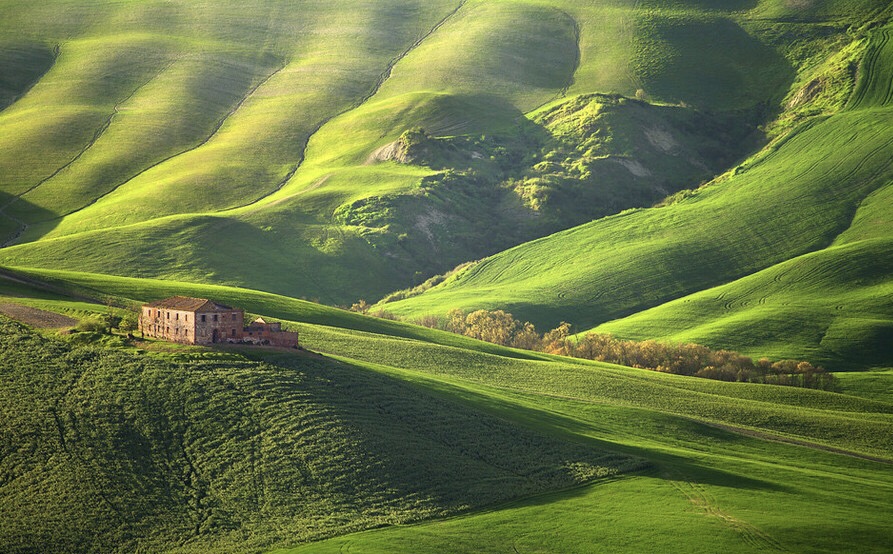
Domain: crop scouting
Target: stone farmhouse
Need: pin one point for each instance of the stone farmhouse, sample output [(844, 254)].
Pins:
[(202, 321)]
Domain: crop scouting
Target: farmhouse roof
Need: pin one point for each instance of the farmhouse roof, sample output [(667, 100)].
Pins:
[(188, 304)]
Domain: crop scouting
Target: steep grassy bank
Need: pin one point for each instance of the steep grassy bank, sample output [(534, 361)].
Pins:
[(113, 451)]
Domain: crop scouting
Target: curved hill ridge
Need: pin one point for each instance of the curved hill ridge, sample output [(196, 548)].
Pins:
[(827, 182), (268, 124), (237, 145)]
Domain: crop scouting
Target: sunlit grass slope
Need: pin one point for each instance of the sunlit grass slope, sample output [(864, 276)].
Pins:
[(233, 92), (796, 197), (179, 109), (832, 307), (226, 420)]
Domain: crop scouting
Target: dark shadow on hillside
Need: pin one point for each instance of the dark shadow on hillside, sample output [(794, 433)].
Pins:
[(711, 64), (12, 224), (546, 426), (564, 428), (21, 67)]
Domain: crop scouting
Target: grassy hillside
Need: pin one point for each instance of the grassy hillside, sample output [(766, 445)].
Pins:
[(197, 450), (113, 451), (225, 135), (820, 188), (264, 151)]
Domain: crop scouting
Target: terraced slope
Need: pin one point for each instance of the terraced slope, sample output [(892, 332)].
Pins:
[(799, 196)]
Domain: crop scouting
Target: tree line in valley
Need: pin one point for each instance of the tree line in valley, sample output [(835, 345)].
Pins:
[(500, 327)]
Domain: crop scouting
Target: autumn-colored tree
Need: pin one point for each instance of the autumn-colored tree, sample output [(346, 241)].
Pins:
[(455, 321), (557, 341), (526, 337), (497, 327), (361, 306)]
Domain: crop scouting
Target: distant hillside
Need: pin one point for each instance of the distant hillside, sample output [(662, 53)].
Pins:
[(797, 236), (260, 144)]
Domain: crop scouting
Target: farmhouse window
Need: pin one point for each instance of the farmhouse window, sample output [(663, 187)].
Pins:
[(234, 317), (233, 333), (215, 317), (203, 318)]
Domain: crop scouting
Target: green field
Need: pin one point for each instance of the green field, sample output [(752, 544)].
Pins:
[(785, 255), (186, 146), (716, 172), (160, 440)]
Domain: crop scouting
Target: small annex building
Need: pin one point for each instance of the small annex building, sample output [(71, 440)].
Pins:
[(201, 321)]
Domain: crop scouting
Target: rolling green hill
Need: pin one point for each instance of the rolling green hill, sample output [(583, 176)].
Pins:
[(795, 235), (711, 171), (109, 451), (189, 145), (198, 449)]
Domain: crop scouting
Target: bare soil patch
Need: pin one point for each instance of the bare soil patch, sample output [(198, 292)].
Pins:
[(34, 317)]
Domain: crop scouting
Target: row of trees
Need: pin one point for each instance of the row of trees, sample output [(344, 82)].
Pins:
[(500, 327)]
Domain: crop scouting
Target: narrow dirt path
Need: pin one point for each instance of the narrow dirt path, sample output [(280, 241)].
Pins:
[(35, 317)]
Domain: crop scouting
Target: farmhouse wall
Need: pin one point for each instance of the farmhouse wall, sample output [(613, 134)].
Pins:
[(170, 325), (218, 326), (191, 321), (200, 321), (261, 332)]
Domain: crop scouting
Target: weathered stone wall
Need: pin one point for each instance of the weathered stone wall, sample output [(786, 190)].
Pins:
[(170, 325), (270, 334), (221, 326)]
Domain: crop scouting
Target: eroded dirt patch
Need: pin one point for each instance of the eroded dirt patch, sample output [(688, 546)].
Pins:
[(35, 317)]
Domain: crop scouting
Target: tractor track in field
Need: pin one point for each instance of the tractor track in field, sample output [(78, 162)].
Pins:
[(871, 74), (700, 498), (382, 79)]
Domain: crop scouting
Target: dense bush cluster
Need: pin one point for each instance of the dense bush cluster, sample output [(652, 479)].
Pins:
[(500, 327)]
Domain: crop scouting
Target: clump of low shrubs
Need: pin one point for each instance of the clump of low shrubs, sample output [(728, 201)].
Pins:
[(92, 324), (500, 327)]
